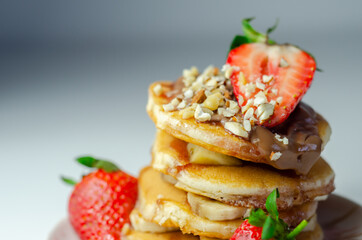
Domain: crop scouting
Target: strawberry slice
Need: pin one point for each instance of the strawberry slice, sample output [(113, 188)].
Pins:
[(271, 79)]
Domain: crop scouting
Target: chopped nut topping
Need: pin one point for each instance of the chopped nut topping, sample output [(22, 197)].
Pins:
[(172, 105), (279, 99), (284, 140), (188, 112), (233, 105), (207, 93), (212, 83), (273, 102), (168, 107), (209, 71), (242, 78), (222, 88), (206, 110), (267, 78), (236, 128), (249, 113), (264, 111), (212, 102), (260, 85), (226, 112), (194, 71), (275, 156), (228, 70), (189, 76), (196, 86), (182, 105), (274, 90), (200, 115), (247, 125), (260, 98), (231, 110), (158, 90), (188, 93), (199, 97), (227, 95), (225, 67), (240, 100), (248, 104), (249, 89)]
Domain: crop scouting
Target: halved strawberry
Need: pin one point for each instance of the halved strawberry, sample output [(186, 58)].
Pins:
[(285, 71)]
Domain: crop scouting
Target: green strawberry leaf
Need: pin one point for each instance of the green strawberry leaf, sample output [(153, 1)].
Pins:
[(68, 181), (97, 163), (106, 166), (272, 28), (297, 230), (87, 161), (268, 228), (251, 35), (273, 227), (238, 41), (271, 203), (257, 217)]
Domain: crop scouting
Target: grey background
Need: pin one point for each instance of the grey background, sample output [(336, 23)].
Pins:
[(74, 78)]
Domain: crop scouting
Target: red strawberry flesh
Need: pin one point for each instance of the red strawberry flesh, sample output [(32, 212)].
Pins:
[(291, 68), (246, 231)]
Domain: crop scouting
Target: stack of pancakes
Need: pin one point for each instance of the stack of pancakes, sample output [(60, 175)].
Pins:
[(204, 179)]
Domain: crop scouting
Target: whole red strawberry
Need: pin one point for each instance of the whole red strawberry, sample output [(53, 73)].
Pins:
[(102, 201), (247, 232)]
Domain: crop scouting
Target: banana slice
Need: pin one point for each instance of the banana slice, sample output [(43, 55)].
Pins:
[(200, 155), (140, 224), (214, 210), (169, 179)]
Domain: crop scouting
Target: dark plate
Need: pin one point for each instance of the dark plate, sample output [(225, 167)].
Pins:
[(340, 218)]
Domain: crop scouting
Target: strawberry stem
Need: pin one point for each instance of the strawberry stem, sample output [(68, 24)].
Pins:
[(255, 36), (92, 162), (297, 230)]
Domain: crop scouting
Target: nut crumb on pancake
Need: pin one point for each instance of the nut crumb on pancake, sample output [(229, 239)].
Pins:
[(209, 97), (275, 156), (304, 134), (158, 90)]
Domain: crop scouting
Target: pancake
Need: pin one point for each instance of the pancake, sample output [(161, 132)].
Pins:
[(247, 185), (140, 224), (311, 232), (161, 203), (128, 233), (131, 234), (299, 155)]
